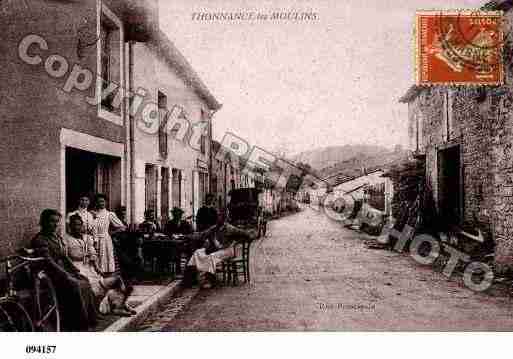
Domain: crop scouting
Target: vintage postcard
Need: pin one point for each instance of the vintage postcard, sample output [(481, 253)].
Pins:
[(235, 166)]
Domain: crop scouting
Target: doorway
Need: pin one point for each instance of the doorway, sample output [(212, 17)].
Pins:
[(151, 180), (88, 173), (164, 196), (450, 185)]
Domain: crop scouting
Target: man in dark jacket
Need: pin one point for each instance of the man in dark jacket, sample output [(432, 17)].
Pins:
[(207, 214), (177, 225)]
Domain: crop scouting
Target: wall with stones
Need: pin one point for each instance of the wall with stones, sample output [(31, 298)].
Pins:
[(482, 125), (427, 108), (473, 125), (500, 125)]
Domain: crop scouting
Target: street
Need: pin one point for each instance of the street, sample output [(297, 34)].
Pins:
[(310, 273)]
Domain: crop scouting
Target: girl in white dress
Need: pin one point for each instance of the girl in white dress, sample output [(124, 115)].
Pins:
[(102, 222), (79, 247), (86, 216)]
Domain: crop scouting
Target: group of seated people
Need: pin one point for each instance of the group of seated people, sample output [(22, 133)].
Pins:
[(150, 228), (88, 287), (205, 249), (84, 291)]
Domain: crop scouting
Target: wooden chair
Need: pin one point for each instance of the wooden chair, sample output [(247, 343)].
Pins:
[(223, 268), (240, 264)]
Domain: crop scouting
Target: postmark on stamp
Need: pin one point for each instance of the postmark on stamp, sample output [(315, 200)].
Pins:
[(462, 47)]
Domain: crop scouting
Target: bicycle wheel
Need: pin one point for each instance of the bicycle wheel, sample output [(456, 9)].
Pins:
[(47, 308), (6, 322), (14, 317)]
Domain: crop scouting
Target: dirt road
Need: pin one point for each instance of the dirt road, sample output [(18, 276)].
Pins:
[(312, 274)]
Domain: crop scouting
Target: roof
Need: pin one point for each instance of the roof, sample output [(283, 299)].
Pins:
[(411, 94), (175, 58), (340, 178), (139, 16)]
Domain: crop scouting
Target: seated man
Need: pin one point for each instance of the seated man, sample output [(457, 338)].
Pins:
[(177, 225), (218, 247), (177, 230), (149, 226)]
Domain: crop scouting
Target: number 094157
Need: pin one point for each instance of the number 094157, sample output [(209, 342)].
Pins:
[(40, 349)]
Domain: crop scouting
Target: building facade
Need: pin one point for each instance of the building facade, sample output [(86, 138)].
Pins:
[(172, 155), (65, 123), (77, 77), (465, 135)]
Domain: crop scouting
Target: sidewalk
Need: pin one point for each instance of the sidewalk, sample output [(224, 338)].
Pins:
[(146, 299)]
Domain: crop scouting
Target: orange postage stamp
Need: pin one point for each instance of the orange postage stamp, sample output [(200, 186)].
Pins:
[(462, 47)]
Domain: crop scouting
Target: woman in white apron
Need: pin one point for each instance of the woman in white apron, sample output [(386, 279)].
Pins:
[(104, 219)]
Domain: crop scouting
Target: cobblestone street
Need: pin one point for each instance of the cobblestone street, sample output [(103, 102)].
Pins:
[(312, 274)]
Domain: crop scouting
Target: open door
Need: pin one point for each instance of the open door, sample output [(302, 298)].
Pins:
[(450, 185), (88, 173)]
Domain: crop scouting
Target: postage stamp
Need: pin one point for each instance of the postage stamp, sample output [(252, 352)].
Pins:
[(459, 47)]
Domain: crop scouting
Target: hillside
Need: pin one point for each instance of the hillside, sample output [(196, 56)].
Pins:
[(349, 159), (320, 158)]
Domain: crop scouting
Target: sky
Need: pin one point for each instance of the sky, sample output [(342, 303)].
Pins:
[(292, 86)]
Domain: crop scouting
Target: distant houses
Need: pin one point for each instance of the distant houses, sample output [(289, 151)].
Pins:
[(337, 190)]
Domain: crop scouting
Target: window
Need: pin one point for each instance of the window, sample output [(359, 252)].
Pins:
[(182, 122), (110, 64), (151, 180), (206, 132), (163, 136), (177, 188), (203, 141)]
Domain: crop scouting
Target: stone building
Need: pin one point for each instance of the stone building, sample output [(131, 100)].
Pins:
[(465, 135), (171, 157), (77, 78), (64, 118)]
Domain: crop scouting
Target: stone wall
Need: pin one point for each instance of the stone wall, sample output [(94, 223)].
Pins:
[(482, 126)]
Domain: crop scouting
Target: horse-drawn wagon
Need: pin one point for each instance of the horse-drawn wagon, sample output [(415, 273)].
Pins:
[(246, 209)]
